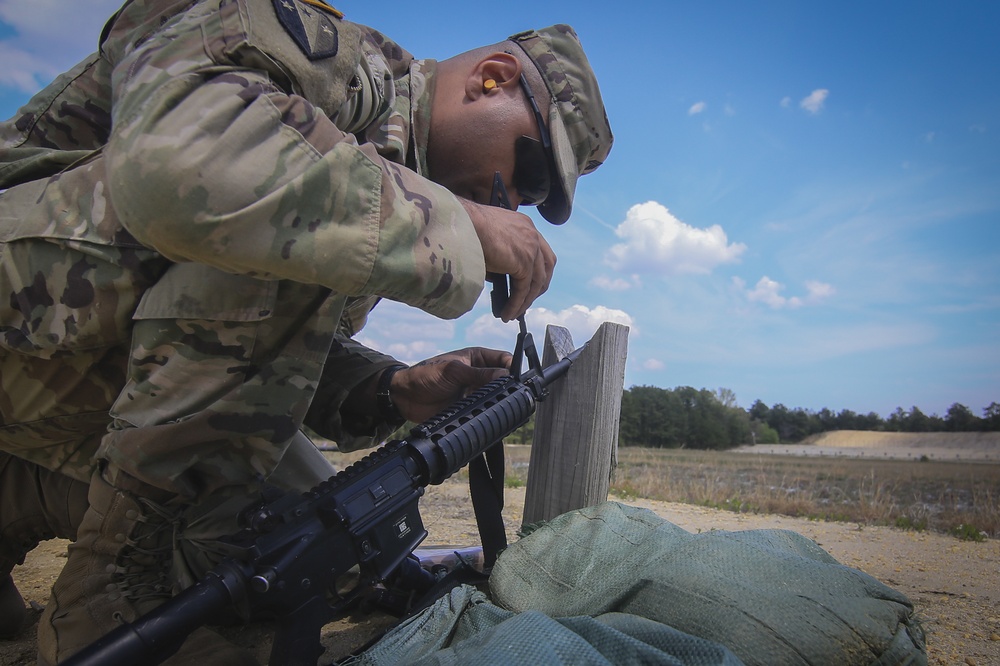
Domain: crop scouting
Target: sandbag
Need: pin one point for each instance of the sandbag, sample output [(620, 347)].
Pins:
[(770, 596), (463, 627)]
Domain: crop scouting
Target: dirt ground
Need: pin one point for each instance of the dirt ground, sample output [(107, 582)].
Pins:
[(955, 585), (943, 446)]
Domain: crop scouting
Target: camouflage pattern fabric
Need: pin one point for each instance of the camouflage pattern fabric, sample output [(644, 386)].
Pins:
[(322, 209), (62, 124), (202, 255), (578, 123)]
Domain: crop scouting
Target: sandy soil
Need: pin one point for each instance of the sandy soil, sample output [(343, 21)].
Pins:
[(943, 446), (953, 584)]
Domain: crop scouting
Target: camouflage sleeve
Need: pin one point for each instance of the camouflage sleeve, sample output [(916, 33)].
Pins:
[(212, 161), (349, 364), (61, 124)]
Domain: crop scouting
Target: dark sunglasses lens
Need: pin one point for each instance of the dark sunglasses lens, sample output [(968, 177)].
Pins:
[(531, 170)]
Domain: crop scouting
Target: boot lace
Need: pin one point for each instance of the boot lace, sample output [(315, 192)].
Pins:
[(142, 569)]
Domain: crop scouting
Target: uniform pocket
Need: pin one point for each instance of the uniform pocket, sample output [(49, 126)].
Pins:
[(198, 291), (70, 275)]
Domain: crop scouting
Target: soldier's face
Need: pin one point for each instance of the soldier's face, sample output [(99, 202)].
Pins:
[(477, 139), (472, 164)]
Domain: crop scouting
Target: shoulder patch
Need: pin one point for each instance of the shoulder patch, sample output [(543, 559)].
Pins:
[(312, 28)]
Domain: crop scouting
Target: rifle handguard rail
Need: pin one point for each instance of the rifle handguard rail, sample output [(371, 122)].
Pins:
[(287, 560)]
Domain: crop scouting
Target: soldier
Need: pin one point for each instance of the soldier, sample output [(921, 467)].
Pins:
[(179, 286)]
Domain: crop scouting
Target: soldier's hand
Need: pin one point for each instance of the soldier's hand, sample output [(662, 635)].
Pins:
[(424, 389), (513, 246)]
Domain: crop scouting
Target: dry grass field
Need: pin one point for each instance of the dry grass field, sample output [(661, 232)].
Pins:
[(944, 488), (878, 508)]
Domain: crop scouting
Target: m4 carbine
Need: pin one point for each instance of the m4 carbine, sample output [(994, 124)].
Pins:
[(287, 561)]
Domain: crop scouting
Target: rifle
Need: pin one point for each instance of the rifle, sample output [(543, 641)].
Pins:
[(294, 549)]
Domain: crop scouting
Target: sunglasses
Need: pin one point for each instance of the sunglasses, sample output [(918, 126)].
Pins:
[(533, 160)]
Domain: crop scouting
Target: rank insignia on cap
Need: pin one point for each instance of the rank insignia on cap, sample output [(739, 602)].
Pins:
[(312, 24)]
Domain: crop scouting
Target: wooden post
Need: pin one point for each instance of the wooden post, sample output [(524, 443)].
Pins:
[(576, 428)]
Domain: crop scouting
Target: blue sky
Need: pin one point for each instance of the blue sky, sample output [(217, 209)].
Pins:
[(802, 205)]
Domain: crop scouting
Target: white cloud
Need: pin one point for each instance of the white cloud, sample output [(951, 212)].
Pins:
[(409, 352), (613, 284), (581, 321), (928, 137), (657, 242), (697, 108), (768, 292), (818, 291), (580, 318), (653, 364), (815, 101), (406, 333), (785, 102)]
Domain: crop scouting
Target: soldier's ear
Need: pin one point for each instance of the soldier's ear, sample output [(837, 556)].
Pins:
[(497, 72)]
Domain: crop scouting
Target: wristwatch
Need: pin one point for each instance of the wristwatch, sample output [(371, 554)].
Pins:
[(387, 410)]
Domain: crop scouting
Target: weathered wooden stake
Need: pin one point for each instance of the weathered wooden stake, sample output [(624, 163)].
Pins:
[(576, 428)]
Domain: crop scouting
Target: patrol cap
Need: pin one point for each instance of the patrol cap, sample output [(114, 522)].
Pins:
[(578, 123)]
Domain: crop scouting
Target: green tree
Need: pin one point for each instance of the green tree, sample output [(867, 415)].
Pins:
[(960, 418), (759, 411), (916, 421), (991, 417), (648, 418), (682, 417), (763, 433), (726, 397), (870, 421)]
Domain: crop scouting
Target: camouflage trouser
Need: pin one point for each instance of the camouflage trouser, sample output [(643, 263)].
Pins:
[(54, 412)]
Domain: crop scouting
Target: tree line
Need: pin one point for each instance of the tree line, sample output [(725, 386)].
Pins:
[(699, 418), (793, 425)]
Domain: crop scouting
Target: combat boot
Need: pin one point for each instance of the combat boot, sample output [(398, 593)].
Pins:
[(36, 504), (118, 570)]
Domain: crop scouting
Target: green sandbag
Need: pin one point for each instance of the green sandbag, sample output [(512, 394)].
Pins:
[(770, 596), (463, 628)]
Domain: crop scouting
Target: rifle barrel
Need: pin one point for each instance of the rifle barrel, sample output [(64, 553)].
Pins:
[(160, 633)]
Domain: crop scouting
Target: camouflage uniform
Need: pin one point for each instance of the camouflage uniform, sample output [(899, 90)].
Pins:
[(266, 219), (197, 219)]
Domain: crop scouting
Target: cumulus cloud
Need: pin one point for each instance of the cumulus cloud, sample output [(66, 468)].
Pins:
[(406, 333), (769, 292), (785, 102), (817, 291), (697, 108), (581, 318), (653, 364), (815, 101), (657, 242), (581, 321), (613, 284)]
